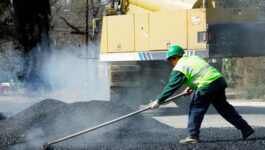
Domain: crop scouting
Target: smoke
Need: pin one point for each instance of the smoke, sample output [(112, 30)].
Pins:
[(68, 73), (71, 74)]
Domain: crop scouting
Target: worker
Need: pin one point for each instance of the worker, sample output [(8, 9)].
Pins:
[(209, 86)]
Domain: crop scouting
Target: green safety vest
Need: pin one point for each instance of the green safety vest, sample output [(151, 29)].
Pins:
[(198, 72)]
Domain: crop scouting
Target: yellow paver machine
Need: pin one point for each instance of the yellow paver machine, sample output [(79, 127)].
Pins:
[(145, 29), (136, 35)]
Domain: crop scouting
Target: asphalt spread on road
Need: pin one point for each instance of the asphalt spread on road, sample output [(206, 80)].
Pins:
[(52, 119)]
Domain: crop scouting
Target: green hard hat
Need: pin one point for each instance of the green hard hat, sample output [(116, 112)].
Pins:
[(175, 50)]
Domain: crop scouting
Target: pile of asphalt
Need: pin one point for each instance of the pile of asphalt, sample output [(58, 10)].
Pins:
[(52, 119), (2, 117)]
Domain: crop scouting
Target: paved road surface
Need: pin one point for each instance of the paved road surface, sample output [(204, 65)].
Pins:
[(174, 116)]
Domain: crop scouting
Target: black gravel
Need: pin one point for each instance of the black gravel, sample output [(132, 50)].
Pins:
[(52, 119)]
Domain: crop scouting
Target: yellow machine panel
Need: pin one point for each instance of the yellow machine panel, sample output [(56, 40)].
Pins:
[(104, 36), (120, 33), (141, 32), (167, 29), (155, 25), (132, 9), (196, 23)]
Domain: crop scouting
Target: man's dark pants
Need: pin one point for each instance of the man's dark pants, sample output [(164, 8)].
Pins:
[(200, 104)]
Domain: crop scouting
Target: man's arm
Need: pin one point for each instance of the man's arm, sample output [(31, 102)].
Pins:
[(176, 80)]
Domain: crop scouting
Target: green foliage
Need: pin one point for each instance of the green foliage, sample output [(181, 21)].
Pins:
[(250, 77), (246, 75), (228, 71)]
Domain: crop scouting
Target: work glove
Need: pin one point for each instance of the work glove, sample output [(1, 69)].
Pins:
[(154, 104), (188, 91)]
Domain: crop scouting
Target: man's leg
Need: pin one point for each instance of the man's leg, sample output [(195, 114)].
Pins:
[(198, 107), (228, 112)]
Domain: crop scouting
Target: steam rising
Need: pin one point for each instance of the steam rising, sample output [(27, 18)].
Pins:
[(70, 74), (66, 73)]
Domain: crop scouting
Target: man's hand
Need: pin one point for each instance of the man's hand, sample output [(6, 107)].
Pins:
[(188, 91), (154, 104)]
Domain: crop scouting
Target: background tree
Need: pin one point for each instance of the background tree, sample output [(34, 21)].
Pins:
[(246, 75)]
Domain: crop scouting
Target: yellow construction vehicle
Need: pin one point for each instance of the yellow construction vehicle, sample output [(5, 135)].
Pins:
[(139, 32)]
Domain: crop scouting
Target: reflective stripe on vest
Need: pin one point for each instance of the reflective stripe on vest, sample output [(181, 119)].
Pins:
[(201, 73), (198, 72)]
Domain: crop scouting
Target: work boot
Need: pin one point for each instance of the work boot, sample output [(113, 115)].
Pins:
[(246, 133), (189, 140)]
